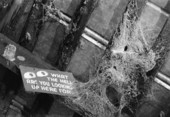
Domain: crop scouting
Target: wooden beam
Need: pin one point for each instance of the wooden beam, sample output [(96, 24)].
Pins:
[(12, 55), (12, 59)]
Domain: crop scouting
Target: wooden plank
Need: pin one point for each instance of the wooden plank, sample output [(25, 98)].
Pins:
[(32, 27), (49, 40), (85, 60), (106, 17), (52, 34), (71, 40), (20, 57), (14, 21), (150, 24), (4, 8)]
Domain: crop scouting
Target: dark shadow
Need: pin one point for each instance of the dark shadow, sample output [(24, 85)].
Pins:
[(42, 104), (76, 115), (113, 96), (10, 82), (127, 111), (167, 7)]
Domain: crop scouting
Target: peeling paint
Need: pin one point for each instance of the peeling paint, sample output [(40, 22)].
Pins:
[(21, 58), (9, 52)]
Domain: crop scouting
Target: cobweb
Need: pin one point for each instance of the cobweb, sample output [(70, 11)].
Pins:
[(123, 69)]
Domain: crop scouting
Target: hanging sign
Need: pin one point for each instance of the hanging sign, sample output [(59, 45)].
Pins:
[(48, 81)]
